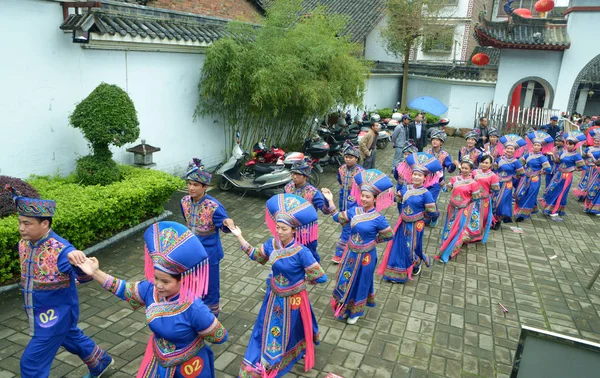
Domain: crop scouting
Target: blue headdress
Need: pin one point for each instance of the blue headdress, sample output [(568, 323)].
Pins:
[(377, 183), (542, 138), (352, 150), (196, 172), (31, 207), (472, 134), (303, 167), (438, 134), (429, 165), (172, 248), (296, 212)]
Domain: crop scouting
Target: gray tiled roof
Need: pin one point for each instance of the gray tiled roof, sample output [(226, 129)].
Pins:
[(147, 23), (523, 33), (363, 14)]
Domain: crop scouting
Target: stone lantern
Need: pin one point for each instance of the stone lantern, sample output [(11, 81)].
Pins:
[(142, 154)]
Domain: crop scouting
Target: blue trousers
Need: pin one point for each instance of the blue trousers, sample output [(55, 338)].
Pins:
[(213, 296), (39, 353), (312, 246)]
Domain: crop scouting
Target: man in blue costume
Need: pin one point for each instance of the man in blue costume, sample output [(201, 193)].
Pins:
[(205, 216), (50, 293), (300, 187)]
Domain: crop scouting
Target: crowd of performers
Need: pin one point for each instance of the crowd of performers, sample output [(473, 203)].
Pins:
[(181, 293)]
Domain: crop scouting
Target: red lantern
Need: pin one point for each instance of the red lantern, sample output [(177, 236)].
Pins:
[(523, 12), (480, 59), (544, 6)]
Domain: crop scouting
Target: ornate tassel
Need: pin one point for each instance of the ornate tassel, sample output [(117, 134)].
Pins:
[(499, 149), (355, 191), (194, 283), (307, 233), (432, 179), (271, 224), (148, 266), (519, 151), (384, 200), (404, 172)]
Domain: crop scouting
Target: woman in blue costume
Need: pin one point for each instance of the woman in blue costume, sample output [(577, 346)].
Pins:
[(404, 255), (177, 269), (554, 201), (591, 203), (559, 147), (536, 164), (345, 178), (470, 151), (354, 286), (591, 155), (508, 168), (286, 328), (402, 172), (438, 138)]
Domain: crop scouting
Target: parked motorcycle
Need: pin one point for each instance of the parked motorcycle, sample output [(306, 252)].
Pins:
[(263, 155), (267, 179)]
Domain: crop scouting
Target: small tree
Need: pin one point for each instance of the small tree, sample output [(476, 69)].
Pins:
[(106, 117), (411, 23), (271, 80)]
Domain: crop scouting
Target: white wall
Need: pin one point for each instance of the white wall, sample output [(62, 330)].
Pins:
[(383, 91), (47, 75), (518, 64), (374, 49), (461, 97), (455, 52), (585, 45)]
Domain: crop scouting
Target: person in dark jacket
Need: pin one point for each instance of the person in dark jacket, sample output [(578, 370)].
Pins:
[(417, 132), (483, 131)]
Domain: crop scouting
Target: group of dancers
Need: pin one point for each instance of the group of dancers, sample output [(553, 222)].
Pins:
[(181, 291)]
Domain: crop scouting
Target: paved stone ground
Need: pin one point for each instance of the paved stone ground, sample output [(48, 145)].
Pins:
[(444, 323)]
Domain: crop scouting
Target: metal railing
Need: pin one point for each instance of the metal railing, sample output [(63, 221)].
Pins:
[(516, 119)]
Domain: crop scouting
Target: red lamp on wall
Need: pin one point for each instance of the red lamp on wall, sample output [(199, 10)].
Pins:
[(544, 6), (523, 12), (480, 59)]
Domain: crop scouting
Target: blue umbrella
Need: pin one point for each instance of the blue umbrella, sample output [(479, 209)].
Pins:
[(429, 105)]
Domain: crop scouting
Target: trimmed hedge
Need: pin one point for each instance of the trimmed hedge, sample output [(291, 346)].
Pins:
[(88, 214), (387, 113)]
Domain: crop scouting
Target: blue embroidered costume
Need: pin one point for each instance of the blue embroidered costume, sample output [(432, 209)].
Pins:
[(509, 170), (445, 160), (286, 328), (555, 196), (354, 284), (416, 204), (345, 178), (50, 298), (312, 195), (205, 219), (182, 324), (536, 163)]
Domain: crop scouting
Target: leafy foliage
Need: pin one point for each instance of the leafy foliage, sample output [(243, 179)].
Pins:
[(415, 22), (106, 116), (88, 214), (97, 170), (270, 81), (7, 205), (387, 113)]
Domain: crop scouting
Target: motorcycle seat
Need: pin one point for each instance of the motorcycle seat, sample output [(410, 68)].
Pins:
[(267, 168)]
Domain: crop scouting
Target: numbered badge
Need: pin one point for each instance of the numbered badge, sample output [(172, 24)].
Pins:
[(192, 368), (47, 317), (295, 302)]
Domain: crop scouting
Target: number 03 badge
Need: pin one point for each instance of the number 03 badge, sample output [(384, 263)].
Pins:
[(47, 317), (192, 367)]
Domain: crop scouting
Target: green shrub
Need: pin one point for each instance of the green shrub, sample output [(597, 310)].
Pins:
[(106, 116), (86, 215), (97, 170), (387, 113)]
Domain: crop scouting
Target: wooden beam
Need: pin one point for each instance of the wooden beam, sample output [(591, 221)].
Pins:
[(582, 9), (78, 4)]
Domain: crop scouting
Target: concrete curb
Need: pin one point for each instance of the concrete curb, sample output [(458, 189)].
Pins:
[(108, 242)]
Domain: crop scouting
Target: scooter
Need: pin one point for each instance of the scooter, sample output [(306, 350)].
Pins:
[(268, 179), (263, 155)]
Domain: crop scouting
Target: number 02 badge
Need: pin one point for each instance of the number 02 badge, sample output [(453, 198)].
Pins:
[(192, 367)]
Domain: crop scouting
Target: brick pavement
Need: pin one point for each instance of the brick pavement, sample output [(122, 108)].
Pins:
[(444, 323)]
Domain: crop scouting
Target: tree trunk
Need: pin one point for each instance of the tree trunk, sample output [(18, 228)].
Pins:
[(405, 77)]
